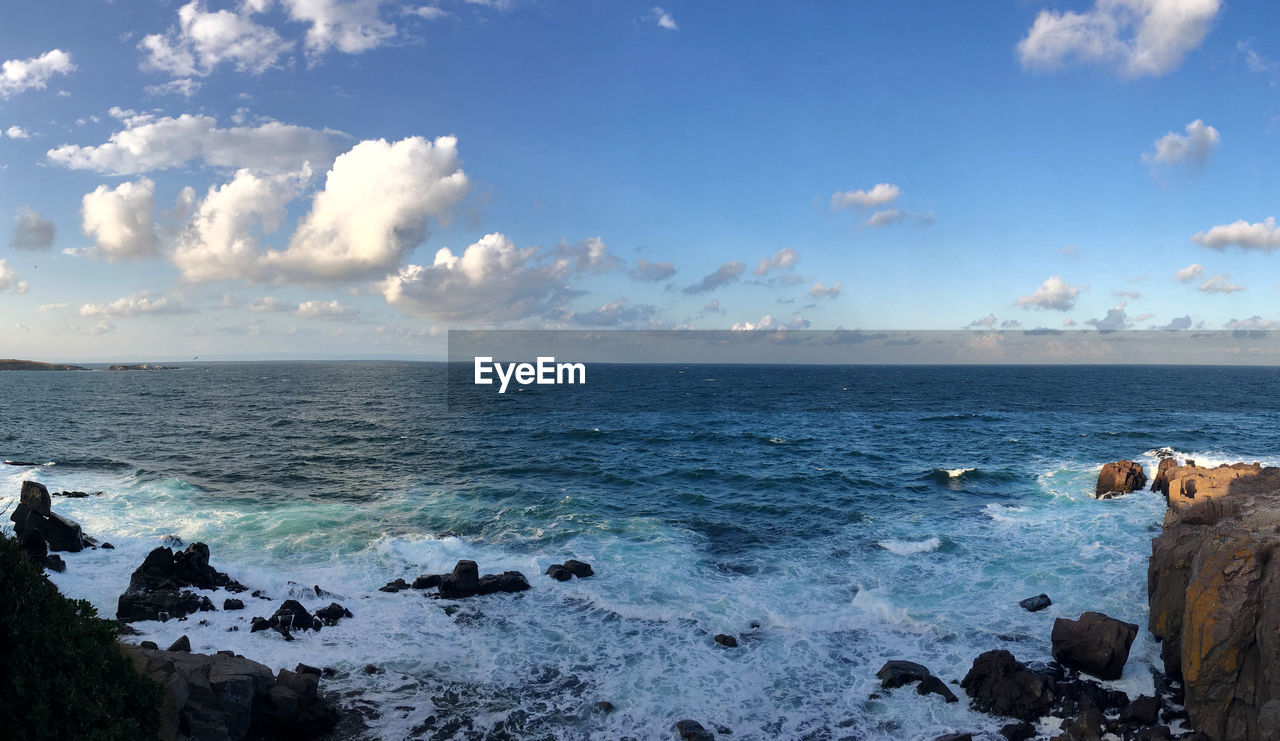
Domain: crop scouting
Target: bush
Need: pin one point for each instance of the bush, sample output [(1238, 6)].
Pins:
[(61, 674)]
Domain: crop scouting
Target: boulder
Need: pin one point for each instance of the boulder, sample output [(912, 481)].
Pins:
[(1161, 481), (559, 572), (60, 533), (54, 562), (163, 605), (231, 603), (1036, 603), (427, 581), (1020, 731), (897, 673), (580, 569), (999, 684), (726, 640), (1090, 726), (182, 644), (33, 545), (291, 615), (463, 581), (1119, 478), (332, 614), (36, 497), (692, 730), (933, 686), (165, 569), (1095, 644), (1144, 711)]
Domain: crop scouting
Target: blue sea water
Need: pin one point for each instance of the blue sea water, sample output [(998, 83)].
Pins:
[(830, 517)]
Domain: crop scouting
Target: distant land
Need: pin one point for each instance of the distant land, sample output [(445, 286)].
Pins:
[(141, 367), (32, 365)]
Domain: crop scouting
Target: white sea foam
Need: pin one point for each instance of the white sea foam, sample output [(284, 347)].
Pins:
[(956, 473), (910, 547)]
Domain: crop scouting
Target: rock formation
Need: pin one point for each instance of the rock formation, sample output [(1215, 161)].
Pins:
[(1119, 478), (156, 588), (34, 514), (1095, 644)]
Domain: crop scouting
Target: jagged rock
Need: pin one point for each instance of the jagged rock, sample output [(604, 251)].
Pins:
[(60, 533), (559, 573), (1095, 644), (999, 684), (725, 640), (1036, 603), (231, 603), (463, 581), (1090, 726), (182, 644), (955, 737), (427, 581), (1119, 478), (692, 730), (1144, 711), (164, 604), (332, 614), (933, 686), (165, 569), (36, 497), (108, 547), (1161, 481), (580, 569), (1073, 695), (291, 615), (399, 585), (897, 673)]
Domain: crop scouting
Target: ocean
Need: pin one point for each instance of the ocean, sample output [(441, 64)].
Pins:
[(831, 518)]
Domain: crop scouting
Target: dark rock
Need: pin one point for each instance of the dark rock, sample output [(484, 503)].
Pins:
[(897, 673), (1073, 695), (955, 737), (165, 569), (149, 644), (488, 584), (183, 644), (580, 569), (36, 497), (165, 604), (933, 686), (427, 581), (1094, 644), (1020, 731), (231, 603), (1119, 478), (604, 706), (512, 581), (1088, 727), (54, 562), (307, 669), (999, 684), (172, 541), (692, 730), (1154, 733), (260, 624), (1144, 711), (463, 581), (727, 641), (108, 546), (291, 615), (559, 573), (399, 585), (60, 533), (371, 669), (332, 614), (1036, 603), (32, 544)]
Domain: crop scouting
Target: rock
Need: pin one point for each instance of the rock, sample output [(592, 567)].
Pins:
[(427, 581), (1036, 603), (897, 673), (259, 624), (1020, 731), (371, 669), (1119, 478), (1073, 696), (332, 614), (149, 644), (559, 573), (36, 497), (463, 581), (933, 686), (183, 644), (54, 562), (1088, 727), (60, 533), (399, 585), (33, 545), (955, 737), (604, 706), (999, 684), (1144, 711), (165, 569), (165, 604), (291, 615), (231, 603), (512, 581), (692, 730), (580, 569), (727, 641), (1094, 644), (108, 546), (229, 697), (1161, 481)]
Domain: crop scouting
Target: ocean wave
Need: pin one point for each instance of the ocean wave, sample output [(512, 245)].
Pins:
[(910, 547)]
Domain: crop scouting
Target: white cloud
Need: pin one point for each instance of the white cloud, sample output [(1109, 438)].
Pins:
[(120, 221), (46, 308), (885, 217), (821, 290), (204, 40), (1114, 320), (18, 75), (270, 304), (986, 321), (1181, 322), (330, 310), (1220, 284), (32, 231), (428, 12), (1192, 148), (1139, 38), (184, 86), (1255, 61), (769, 322), (651, 271), (1054, 293), (1262, 235), (614, 314), (663, 19), (10, 280), (723, 275), (783, 259), (713, 307), (137, 304), (350, 26), (1253, 322), (881, 195), (17, 132), (1189, 273), (148, 144)]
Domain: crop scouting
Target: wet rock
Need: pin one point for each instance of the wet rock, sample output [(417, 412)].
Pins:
[(427, 581), (897, 673), (1074, 695), (692, 730), (399, 585), (580, 569), (933, 686), (955, 737), (727, 641), (1119, 478), (559, 573), (604, 706), (332, 614), (1090, 726), (149, 644), (108, 546), (1144, 711), (34, 515), (463, 581), (1036, 603), (165, 604), (36, 497), (999, 684), (54, 562), (231, 603), (291, 615), (1161, 481), (183, 644), (33, 545), (165, 569), (371, 669), (1095, 644), (259, 624), (1020, 731)]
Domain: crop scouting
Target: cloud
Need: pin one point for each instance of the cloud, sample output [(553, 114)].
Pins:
[(885, 217), (269, 305), (46, 308), (18, 75), (1262, 235), (204, 40), (1054, 293), (1181, 322), (147, 144), (32, 232), (723, 275), (651, 272), (185, 86), (986, 321), (1192, 148), (1189, 273), (881, 195), (330, 310), (768, 322), (1253, 322), (783, 259), (1131, 295), (663, 19), (1114, 320), (10, 280), (1139, 38), (428, 12), (614, 314), (137, 304), (350, 26), (1220, 284), (1255, 61), (713, 307), (17, 132), (590, 256), (119, 221), (821, 290)]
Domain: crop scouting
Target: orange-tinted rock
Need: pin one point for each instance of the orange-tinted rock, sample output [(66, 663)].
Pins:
[(1119, 478)]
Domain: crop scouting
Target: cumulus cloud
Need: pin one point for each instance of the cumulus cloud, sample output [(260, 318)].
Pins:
[(821, 290), (148, 144), (1220, 284), (18, 75), (1189, 273), (985, 321), (204, 40), (713, 307), (17, 132), (651, 272), (881, 195), (185, 86), (32, 232), (350, 26), (1055, 293), (1139, 38), (1192, 149), (1262, 235), (663, 19), (119, 221), (589, 256), (137, 304), (783, 259), (768, 322), (885, 217), (10, 280), (328, 310), (615, 314), (1114, 320), (1253, 322), (1181, 322), (723, 275), (270, 305)]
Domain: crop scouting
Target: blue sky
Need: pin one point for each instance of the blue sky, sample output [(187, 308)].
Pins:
[(279, 177)]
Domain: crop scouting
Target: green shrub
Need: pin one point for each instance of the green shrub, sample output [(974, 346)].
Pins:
[(61, 675)]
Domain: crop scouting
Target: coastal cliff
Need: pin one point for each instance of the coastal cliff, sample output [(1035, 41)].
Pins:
[(1214, 590)]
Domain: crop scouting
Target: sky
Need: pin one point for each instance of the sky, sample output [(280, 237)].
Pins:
[(352, 178)]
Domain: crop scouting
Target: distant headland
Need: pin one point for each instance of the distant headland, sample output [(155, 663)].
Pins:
[(33, 365)]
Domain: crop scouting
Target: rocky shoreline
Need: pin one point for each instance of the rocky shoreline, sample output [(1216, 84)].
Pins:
[(1214, 607)]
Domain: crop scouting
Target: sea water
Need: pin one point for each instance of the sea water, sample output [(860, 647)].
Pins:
[(860, 515)]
